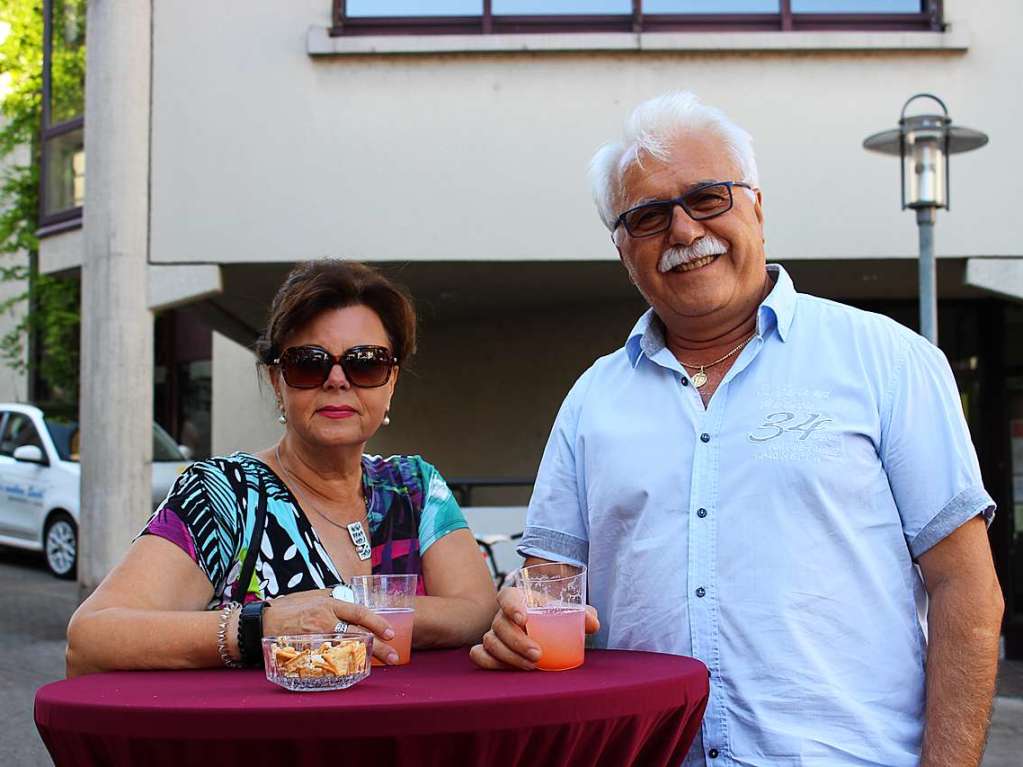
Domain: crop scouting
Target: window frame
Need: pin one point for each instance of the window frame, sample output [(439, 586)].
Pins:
[(929, 19), (69, 218)]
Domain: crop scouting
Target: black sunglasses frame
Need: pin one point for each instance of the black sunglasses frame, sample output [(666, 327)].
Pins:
[(365, 353), (681, 202)]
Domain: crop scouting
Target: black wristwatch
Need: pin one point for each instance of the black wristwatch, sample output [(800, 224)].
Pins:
[(250, 634)]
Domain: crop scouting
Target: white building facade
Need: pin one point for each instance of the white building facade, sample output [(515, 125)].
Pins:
[(451, 151)]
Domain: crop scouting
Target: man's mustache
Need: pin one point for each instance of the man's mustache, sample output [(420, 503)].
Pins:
[(708, 245)]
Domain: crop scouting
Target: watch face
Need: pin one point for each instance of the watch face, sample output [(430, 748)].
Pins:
[(343, 593)]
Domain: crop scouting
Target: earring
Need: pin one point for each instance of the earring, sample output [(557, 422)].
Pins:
[(387, 418), (283, 417)]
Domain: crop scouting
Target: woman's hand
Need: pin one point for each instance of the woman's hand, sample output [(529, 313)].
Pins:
[(506, 645), (315, 612)]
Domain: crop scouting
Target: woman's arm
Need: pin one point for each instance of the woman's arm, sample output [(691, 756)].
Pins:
[(462, 598), (149, 613)]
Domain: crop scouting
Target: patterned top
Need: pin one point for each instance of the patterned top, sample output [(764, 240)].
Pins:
[(210, 513)]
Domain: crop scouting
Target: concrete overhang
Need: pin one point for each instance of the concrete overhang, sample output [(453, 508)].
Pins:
[(448, 291), (1001, 276), (61, 252), (174, 286)]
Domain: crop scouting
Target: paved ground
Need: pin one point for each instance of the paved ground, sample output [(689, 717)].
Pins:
[(34, 611)]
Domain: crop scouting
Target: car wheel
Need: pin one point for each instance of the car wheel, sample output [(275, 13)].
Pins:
[(60, 544)]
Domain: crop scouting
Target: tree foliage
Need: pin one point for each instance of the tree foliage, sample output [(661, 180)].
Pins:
[(49, 309)]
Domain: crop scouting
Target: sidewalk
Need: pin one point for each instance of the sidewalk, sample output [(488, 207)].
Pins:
[(35, 608)]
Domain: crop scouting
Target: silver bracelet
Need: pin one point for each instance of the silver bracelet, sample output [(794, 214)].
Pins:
[(225, 614)]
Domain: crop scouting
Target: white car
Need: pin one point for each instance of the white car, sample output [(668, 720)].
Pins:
[(39, 482)]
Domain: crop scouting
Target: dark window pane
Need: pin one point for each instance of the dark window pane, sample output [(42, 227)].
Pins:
[(711, 6), (67, 61), (561, 7), (196, 382), (356, 8), (64, 172), (65, 437), (19, 432), (856, 6)]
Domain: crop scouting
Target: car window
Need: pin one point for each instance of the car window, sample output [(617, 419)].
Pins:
[(18, 431), (164, 446), (65, 437)]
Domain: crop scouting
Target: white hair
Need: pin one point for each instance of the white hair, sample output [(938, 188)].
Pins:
[(651, 129)]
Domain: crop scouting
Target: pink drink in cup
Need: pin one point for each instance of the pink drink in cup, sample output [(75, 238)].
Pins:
[(555, 596), (393, 598), (561, 634), (401, 621)]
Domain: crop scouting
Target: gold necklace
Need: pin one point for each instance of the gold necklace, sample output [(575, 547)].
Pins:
[(355, 529), (699, 378)]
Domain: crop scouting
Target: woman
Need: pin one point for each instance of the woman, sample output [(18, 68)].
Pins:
[(277, 530)]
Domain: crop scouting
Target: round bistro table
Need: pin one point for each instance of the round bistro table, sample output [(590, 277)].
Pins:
[(620, 708)]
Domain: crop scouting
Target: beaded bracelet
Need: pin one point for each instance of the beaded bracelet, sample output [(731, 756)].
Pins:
[(225, 657)]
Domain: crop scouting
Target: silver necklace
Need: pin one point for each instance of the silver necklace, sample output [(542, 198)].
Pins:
[(699, 378), (355, 529)]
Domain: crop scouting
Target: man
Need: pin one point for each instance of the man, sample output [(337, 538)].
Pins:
[(754, 478)]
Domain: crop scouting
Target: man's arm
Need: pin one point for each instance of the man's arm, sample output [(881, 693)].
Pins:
[(964, 619)]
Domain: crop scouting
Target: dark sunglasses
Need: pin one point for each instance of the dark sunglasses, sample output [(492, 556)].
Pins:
[(308, 367)]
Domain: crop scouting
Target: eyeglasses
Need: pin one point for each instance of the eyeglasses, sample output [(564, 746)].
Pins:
[(308, 367), (703, 202)]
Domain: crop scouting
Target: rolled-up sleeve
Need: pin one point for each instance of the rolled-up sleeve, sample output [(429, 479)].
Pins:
[(556, 520), (927, 452)]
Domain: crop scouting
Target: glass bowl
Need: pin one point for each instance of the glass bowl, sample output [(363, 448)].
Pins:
[(306, 662)]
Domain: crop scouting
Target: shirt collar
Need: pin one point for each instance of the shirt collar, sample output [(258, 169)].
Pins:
[(776, 312), (779, 307)]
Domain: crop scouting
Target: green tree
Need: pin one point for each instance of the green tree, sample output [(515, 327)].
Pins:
[(48, 310)]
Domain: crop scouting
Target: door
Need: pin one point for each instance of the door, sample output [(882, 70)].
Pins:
[(22, 485), (1013, 515)]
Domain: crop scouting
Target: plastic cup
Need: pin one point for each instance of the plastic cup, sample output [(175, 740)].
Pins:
[(555, 596), (393, 598)]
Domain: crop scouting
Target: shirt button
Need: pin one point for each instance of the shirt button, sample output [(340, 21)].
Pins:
[(705, 437), (685, 381), (701, 592), (701, 513), (713, 753)]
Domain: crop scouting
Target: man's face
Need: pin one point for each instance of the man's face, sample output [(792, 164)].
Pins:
[(720, 286)]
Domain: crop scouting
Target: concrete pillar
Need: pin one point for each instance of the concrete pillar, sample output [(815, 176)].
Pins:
[(116, 409)]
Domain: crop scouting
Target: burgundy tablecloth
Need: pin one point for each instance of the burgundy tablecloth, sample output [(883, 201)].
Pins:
[(620, 708)]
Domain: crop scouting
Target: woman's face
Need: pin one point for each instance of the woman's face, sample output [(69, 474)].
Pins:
[(337, 413)]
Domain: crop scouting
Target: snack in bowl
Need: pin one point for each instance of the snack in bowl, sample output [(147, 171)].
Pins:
[(318, 661)]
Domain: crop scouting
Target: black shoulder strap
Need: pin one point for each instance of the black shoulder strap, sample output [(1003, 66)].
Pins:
[(249, 565)]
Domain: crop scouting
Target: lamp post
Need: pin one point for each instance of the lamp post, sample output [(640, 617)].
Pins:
[(923, 144)]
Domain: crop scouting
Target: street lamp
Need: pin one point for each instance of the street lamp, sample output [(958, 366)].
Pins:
[(924, 142)]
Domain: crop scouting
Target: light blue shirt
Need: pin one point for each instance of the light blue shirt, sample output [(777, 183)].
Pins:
[(772, 534)]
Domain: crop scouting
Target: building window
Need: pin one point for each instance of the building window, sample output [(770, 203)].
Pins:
[(375, 17), (183, 380), (62, 171)]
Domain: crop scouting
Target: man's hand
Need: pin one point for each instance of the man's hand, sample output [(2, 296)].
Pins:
[(507, 646)]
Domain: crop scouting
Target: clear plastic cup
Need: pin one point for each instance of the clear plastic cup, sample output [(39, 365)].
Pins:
[(555, 597), (393, 598)]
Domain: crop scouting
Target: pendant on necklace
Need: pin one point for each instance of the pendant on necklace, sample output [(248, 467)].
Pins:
[(699, 378), (359, 541)]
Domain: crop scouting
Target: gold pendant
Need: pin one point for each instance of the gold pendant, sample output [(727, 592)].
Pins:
[(699, 378)]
